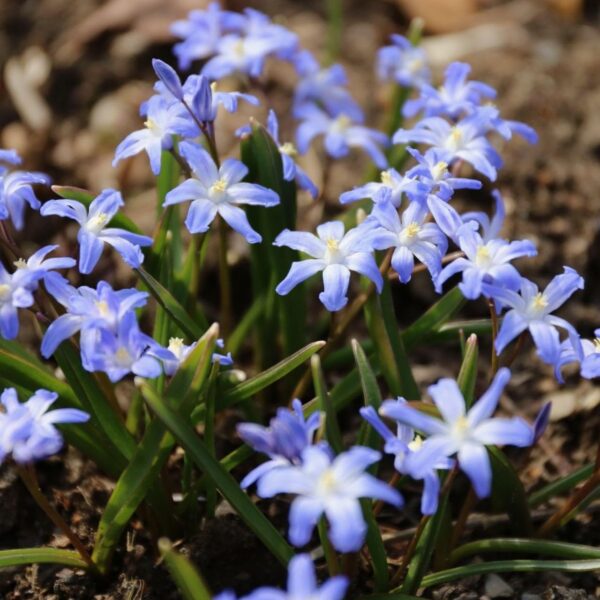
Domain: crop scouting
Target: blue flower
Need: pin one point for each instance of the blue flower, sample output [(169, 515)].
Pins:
[(485, 262), (10, 156), (432, 171), (16, 191), (403, 63), (403, 445), (38, 267), (341, 134), (27, 430), (90, 310), (334, 253), (332, 486), (302, 584), (225, 360), (177, 352), (455, 98), (93, 233), (489, 228), (15, 293), (532, 310), (462, 140), (410, 236), (288, 434), (389, 180), (584, 352), (216, 190), (461, 432), (126, 351), (202, 31), (164, 120), (325, 87), (247, 51)]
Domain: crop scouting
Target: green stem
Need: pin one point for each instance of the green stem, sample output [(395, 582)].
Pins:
[(331, 557), (335, 20), (224, 280)]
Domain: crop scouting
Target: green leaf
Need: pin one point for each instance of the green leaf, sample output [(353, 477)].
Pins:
[(434, 317), (38, 556), (162, 295), (425, 546), (270, 264), (332, 428), (560, 486), (152, 453), (467, 376), (524, 546), (508, 566), (367, 435), (85, 197), (252, 386), (376, 548), (508, 493), (183, 572), (227, 485)]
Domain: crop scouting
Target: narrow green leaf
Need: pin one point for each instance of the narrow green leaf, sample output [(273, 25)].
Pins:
[(508, 566), (434, 317), (524, 546), (508, 493), (252, 386), (425, 546), (39, 556), (183, 572), (332, 429), (227, 485), (151, 455), (162, 295), (467, 376), (367, 436), (85, 197), (561, 485), (376, 548)]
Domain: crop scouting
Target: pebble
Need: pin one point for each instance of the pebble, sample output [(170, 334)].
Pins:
[(496, 587)]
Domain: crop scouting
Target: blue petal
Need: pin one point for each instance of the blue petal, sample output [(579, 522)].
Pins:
[(299, 271), (336, 279), (200, 215), (473, 459), (90, 249), (486, 405), (236, 218)]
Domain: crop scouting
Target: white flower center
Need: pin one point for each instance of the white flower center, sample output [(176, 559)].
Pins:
[(483, 258), (454, 140), (20, 264), (176, 347), (386, 178), (340, 124), (153, 127), (597, 344), (460, 429), (122, 357), (327, 483), (4, 292), (416, 443), (218, 190), (409, 233), (538, 305), (289, 149), (103, 308), (333, 254), (439, 170), (97, 223)]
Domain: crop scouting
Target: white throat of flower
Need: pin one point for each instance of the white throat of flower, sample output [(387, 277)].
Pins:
[(289, 149), (483, 258), (538, 306), (327, 483), (409, 234), (454, 141), (122, 357), (97, 223), (218, 191), (153, 127), (439, 170), (4, 292), (176, 347), (459, 430), (341, 124), (20, 264), (333, 254)]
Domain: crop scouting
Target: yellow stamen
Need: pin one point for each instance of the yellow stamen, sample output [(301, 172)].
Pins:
[(20, 264), (288, 148), (332, 245), (386, 178), (439, 169), (102, 307), (327, 481), (412, 230), (341, 123), (416, 443), (540, 301), (597, 344), (483, 256), (4, 291), (122, 356), (218, 187), (175, 344), (151, 125)]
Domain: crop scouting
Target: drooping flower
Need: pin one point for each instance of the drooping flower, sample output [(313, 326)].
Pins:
[(532, 310), (403, 445), (37, 267), (410, 236), (27, 430), (485, 262), (90, 310), (164, 119), (463, 140), (124, 352), (16, 192), (457, 96), (324, 87), (283, 441), (398, 186), (217, 190), (332, 486), (334, 253), (341, 133), (177, 352), (94, 233), (403, 63), (585, 352), (461, 432), (15, 293)]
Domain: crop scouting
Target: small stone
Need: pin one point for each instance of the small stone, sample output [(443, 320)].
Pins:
[(496, 587)]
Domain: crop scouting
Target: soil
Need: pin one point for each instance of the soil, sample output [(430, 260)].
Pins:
[(547, 72)]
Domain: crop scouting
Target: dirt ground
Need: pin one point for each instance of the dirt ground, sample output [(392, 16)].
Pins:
[(73, 76)]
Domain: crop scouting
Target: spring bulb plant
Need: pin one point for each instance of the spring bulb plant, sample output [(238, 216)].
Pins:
[(355, 452)]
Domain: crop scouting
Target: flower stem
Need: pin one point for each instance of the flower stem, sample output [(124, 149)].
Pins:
[(331, 557), (494, 319), (29, 478), (224, 280)]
